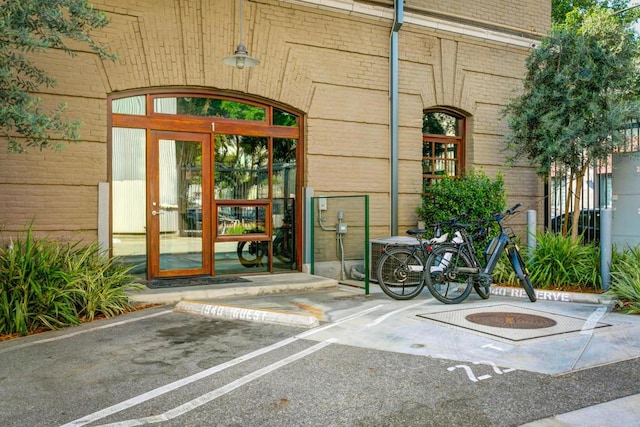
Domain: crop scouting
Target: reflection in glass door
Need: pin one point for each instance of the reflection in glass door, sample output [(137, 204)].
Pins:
[(179, 204)]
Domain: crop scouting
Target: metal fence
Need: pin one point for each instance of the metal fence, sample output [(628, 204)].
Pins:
[(596, 191)]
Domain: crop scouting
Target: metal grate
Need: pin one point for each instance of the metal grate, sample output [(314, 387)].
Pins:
[(461, 319)]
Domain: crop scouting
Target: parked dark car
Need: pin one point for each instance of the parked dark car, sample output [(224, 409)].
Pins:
[(588, 224)]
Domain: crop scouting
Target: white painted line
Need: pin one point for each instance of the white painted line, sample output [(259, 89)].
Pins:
[(495, 367), (493, 347), (136, 400), (587, 329), (592, 321), (175, 385), (467, 370), (84, 331), (343, 320), (214, 394), (386, 316)]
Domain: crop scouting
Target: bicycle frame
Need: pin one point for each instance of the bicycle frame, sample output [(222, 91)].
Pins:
[(495, 249), (456, 267)]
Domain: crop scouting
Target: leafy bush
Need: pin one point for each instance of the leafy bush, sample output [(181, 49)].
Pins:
[(563, 263), (558, 262), (473, 193), (50, 284), (625, 279), (102, 283)]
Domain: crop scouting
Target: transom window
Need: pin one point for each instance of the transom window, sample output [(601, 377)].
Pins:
[(205, 184), (442, 145)]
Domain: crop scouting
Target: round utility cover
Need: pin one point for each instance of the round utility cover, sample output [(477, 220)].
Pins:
[(509, 320)]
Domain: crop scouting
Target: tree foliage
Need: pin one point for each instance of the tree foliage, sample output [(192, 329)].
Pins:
[(28, 28), (580, 89), (572, 11)]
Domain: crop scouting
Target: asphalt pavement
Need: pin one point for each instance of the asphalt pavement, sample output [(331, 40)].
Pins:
[(585, 333), (561, 334)]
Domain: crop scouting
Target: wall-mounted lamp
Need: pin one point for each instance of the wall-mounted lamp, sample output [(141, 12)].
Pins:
[(240, 58)]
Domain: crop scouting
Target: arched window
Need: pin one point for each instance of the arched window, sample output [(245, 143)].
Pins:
[(442, 145)]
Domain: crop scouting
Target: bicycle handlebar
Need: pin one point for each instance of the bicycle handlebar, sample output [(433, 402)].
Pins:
[(453, 222), (499, 216), (437, 226), (513, 209)]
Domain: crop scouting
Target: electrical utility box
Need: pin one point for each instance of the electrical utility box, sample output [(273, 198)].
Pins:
[(625, 182)]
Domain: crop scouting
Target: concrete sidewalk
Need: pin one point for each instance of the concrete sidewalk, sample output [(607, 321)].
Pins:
[(295, 282)]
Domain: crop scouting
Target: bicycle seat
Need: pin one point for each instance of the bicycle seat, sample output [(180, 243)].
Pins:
[(416, 231), (438, 240)]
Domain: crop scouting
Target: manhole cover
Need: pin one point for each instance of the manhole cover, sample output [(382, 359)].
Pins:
[(503, 319), (511, 322)]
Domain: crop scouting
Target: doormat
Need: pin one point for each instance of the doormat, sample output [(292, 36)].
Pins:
[(193, 281)]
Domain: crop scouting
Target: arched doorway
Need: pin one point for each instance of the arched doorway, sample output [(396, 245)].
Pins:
[(204, 183)]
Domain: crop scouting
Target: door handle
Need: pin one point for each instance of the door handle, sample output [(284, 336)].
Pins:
[(154, 213)]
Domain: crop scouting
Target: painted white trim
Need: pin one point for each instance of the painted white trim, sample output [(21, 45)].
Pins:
[(439, 25)]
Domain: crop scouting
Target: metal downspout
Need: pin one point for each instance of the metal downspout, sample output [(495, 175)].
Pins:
[(398, 17)]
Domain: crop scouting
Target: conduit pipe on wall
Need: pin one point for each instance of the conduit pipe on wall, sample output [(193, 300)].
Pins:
[(398, 16)]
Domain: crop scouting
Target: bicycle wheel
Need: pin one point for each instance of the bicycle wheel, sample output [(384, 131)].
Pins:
[(482, 289), (250, 254), (521, 271), (282, 248), (399, 273), (445, 282)]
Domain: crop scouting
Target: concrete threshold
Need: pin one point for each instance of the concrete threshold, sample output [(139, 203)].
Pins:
[(256, 285)]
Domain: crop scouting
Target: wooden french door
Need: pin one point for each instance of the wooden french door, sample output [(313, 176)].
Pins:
[(179, 204)]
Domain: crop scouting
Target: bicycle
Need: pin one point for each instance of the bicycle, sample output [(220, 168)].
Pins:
[(400, 268), (455, 268), (251, 253)]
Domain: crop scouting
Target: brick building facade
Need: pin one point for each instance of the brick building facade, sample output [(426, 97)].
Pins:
[(327, 61)]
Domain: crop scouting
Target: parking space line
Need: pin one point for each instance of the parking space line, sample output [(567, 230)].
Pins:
[(84, 331), (392, 313), (592, 321), (136, 400), (214, 394)]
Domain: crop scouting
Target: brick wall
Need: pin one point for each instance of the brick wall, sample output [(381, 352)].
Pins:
[(526, 15), (330, 65)]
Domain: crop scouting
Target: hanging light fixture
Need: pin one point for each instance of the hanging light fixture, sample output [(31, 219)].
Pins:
[(240, 57)]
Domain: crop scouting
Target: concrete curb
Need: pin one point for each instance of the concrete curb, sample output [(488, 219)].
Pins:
[(548, 295), (249, 314), (174, 295)]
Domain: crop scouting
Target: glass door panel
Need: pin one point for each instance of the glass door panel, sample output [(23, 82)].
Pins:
[(128, 197), (179, 211), (241, 167), (284, 172), (242, 239)]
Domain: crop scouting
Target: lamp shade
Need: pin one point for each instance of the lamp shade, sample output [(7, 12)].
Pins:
[(240, 58)]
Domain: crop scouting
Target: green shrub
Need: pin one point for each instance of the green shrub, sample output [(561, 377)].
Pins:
[(49, 284), (473, 193), (625, 279), (558, 262), (102, 284), (562, 263)]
